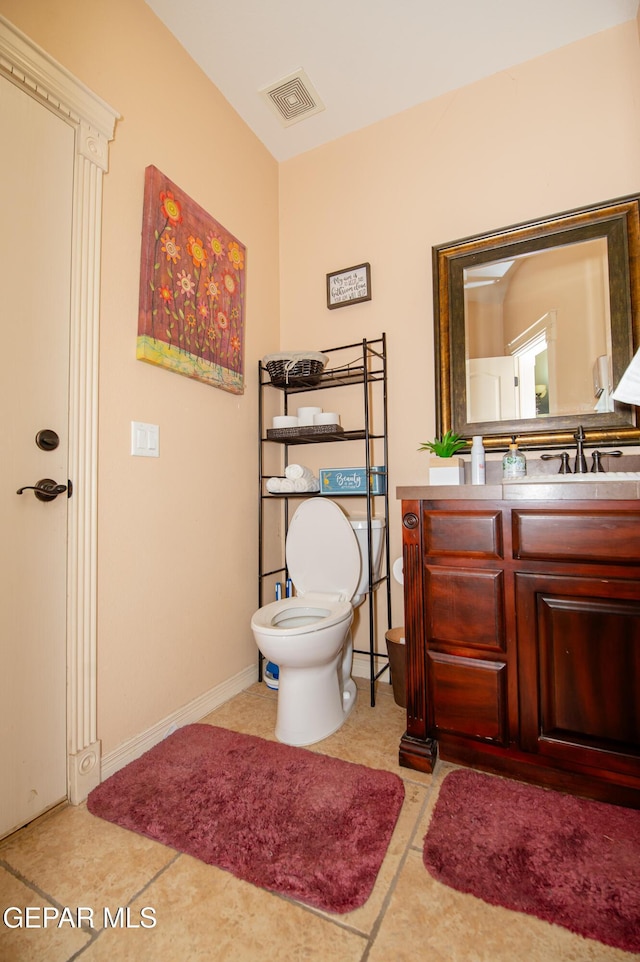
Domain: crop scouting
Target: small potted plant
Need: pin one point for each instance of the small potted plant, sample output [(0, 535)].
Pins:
[(444, 467)]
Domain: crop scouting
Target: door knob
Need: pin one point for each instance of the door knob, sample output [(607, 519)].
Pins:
[(46, 490)]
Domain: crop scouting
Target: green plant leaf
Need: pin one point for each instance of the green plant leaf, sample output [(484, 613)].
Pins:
[(444, 447)]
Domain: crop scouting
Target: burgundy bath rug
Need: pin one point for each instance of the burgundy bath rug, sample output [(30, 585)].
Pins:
[(305, 825), (567, 860)]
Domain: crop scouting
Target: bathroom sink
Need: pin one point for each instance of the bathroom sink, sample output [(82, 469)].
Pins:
[(577, 478)]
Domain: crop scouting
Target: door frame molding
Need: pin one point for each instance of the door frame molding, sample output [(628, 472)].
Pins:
[(29, 67)]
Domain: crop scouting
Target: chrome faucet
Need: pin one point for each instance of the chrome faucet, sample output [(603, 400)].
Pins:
[(581, 462)]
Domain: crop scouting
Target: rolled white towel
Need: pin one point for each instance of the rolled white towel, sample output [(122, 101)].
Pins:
[(296, 471), (301, 485), (287, 486)]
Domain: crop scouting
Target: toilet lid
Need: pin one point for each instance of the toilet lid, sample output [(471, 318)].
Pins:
[(322, 551)]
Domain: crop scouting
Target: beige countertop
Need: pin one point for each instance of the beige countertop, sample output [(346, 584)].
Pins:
[(543, 483), (545, 489)]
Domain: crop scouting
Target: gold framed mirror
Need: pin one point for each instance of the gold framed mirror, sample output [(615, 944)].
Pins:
[(535, 325)]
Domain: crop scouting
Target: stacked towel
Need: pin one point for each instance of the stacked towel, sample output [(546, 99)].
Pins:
[(296, 472), (298, 480), (303, 478), (300, 485), (279, 486)]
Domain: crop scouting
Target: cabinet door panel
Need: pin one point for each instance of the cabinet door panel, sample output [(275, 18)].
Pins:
[(589, 651), (579, 640), (464, 607), (467, 696)]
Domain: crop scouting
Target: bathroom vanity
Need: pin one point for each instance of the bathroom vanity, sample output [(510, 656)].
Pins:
[(522, 626)]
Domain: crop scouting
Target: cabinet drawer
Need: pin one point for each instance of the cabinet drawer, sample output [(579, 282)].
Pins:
[(464, 607), (598, 536), (475, 534), (467, 696)]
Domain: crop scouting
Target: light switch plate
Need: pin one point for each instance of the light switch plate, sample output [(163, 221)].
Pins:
[(145, 439)]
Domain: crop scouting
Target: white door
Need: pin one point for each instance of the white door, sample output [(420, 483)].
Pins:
[(492, 393), (36, 170)]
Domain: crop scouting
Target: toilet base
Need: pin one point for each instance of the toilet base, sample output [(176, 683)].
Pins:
[(312, 705)]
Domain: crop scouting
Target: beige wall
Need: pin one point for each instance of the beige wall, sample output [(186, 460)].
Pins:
[(177, 535), (558, 132), (177, 549)]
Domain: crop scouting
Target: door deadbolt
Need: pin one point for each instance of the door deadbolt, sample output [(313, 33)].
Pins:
[(47, 439)]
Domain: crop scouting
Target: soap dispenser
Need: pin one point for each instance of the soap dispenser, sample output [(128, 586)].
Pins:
[(514, 463)]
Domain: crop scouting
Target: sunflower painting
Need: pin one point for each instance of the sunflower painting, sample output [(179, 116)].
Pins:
[(192, 289)]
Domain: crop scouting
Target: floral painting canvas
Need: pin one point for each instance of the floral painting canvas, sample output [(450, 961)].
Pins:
[(192, 289)]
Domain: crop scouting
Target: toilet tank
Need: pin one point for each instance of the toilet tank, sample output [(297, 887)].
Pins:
[(359, 526)]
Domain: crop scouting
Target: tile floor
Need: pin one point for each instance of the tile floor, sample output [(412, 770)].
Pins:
[(71, 859)]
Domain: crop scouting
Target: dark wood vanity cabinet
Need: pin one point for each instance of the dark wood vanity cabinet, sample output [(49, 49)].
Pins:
[(522, 624)]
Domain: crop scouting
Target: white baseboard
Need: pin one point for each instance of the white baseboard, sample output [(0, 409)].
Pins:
[(135, 747), (115, 760)]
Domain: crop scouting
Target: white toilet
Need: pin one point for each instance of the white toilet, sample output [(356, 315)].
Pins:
[(308, 635)]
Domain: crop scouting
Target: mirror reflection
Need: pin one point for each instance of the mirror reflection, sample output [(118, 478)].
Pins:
[(535, 325), (538, 334)]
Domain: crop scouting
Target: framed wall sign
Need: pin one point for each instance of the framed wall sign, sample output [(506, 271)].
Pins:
[(349, 286)]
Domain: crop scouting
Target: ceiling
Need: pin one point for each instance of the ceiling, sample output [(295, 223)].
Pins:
[(368, 59)]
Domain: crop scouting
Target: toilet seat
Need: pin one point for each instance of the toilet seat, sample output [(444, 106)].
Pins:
[(323, 557), (323, 560), (292, 615)]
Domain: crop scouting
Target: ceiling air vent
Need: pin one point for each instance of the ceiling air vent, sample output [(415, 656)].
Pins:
[(293, 98)]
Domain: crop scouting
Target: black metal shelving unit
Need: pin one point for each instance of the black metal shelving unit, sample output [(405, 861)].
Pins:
[(360, 365)]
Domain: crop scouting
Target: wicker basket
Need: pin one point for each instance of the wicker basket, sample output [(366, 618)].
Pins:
[(299, 369)]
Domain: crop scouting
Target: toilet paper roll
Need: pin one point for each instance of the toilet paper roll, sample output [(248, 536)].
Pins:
[(306, 415), (285, 421), (398, 571), (326, 417)]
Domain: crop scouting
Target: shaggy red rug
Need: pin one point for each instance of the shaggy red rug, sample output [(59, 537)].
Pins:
[(287, 819), (567, 860)]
